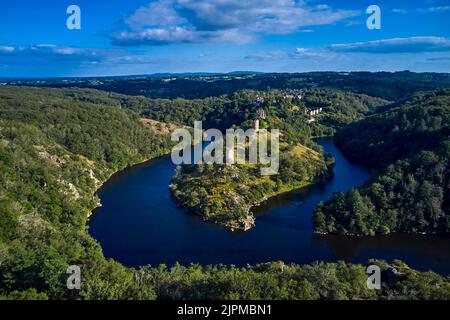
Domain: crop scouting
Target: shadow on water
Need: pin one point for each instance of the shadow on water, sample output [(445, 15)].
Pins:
[(348, 248), (139, 224)]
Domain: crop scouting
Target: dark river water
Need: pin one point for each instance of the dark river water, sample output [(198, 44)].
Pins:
[(140, 224)]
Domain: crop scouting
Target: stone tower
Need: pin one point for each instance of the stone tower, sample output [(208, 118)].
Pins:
[(256, 126), (261, 114)]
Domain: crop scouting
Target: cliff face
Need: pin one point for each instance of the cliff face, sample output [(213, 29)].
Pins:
[(244, 223)]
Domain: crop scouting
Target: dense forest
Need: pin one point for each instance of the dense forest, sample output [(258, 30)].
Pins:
[(222, 112), (409, 143), (57, 146), (284, 110), (55, 151), (387, 85)]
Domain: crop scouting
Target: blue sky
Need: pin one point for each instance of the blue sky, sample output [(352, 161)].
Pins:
[(142, 37)]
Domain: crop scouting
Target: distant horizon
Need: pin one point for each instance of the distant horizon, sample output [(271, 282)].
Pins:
[(199, 74), (62, 39)]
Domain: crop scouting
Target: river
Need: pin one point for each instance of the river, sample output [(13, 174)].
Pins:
[(140, 224)]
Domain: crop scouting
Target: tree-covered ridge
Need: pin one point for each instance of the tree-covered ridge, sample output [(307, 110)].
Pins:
[(284, 110), (269, 281), (55, 150), (387, 85), (405, 128), (279, 281), (410, 143), (54, 153), (76, 120), (338, 107)]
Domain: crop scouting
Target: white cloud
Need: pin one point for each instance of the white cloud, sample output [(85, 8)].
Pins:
[(230, 21), (159, 13), (438, 59), (403, 11), (395, 45), (438, 9), (65, 55), (155, 36), (298, 53), (6, 49), (304, 52), (270, 55), (48, 50)]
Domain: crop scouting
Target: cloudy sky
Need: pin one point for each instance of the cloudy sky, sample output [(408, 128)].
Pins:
[(143, 36)]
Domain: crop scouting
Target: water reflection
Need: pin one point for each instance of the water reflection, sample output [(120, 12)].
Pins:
[(139, 223), (349, 247)]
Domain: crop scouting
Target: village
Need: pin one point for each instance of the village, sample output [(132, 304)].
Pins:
[(295, 96)]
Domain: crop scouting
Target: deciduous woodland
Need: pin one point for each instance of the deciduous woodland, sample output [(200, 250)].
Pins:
[(58, 145), (409, 143)]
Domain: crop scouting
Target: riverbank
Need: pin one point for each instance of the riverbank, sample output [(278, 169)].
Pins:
[(225, 195), (102, 183), (247, 222), (140, 223)]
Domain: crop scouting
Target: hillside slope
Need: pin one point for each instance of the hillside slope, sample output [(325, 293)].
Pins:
[(410, 145), (56, 148), (55, 151)]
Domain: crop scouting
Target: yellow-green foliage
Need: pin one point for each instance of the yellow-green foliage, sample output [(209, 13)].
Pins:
[(225, 194)]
